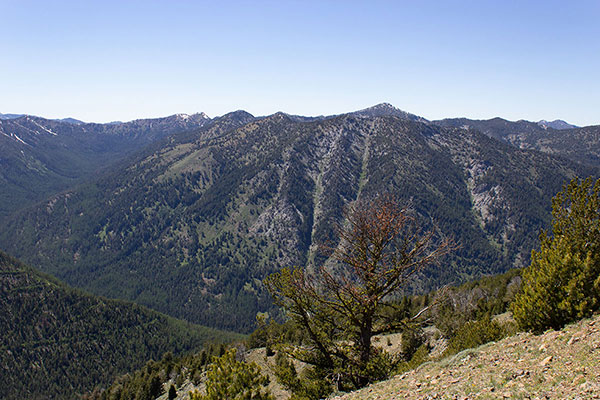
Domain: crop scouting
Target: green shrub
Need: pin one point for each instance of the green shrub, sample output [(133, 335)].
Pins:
[(420, 356), (172, 393), (562, 284), (412, 339), (229, 378), (475, 333), (311, 384)]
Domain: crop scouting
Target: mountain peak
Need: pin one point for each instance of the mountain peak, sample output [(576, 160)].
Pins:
[(184, 116), (556, 124), (239, 116), (383, 106), (387, 109), (70, 120)]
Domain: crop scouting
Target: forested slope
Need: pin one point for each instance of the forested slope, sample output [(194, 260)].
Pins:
[(578, 144), (39, 157), (58, 342)]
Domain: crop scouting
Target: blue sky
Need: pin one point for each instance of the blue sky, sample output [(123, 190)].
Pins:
[(120, 60)]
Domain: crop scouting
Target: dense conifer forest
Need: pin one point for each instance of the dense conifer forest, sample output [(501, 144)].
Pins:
[(58, 342)]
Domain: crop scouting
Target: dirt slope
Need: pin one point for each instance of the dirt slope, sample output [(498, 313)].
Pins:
[(556, 365)]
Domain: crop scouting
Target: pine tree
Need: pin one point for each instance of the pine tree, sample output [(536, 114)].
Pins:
[(341, 311), (230, 379), (562, 284), (172, 393)]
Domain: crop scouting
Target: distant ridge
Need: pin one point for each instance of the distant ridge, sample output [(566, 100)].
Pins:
[(10, 116), (579, 144), (41, 156), (378, 110), (71, 121), (16, 116), (75, 121), (558, 124)]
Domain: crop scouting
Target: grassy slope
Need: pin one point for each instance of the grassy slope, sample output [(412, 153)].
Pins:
[(558, 364), (58, 341)]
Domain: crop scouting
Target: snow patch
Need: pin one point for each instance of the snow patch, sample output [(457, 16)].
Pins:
[(19, 139), (47, 130)]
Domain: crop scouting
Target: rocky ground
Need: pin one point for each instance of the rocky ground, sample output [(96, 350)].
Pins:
[(556, 365)]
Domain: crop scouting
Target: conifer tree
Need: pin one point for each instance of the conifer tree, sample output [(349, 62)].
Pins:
[(230, 379), (172, 393), (341, 311), (562, 284)]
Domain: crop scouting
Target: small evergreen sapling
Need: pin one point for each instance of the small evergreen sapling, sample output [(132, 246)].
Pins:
[(230, 379), (172, 393)]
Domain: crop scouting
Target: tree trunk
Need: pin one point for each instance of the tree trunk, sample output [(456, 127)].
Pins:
[(366, 336)]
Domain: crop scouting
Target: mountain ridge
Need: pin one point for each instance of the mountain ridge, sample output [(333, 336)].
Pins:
[(578, 144), (556, 124), (40, 157), (379, 109), (218, 208)]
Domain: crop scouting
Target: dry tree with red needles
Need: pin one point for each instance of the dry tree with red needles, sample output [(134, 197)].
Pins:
[(343, 306)]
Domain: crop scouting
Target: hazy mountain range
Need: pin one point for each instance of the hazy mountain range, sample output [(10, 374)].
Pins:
[(578, 144), (187, 214)]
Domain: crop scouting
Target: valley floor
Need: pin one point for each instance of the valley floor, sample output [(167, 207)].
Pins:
[(556, 365)]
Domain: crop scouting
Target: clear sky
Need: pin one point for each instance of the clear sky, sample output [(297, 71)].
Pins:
[(120, 60)]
